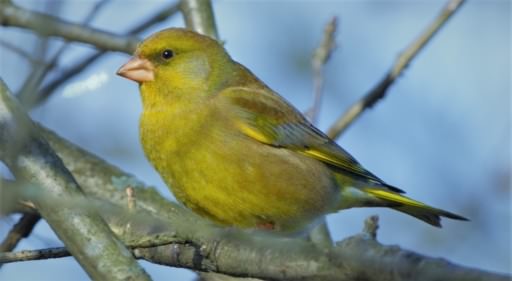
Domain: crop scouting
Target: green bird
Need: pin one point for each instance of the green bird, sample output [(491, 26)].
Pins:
[(233, 150)]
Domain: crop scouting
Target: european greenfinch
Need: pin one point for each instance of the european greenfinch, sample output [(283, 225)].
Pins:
[(236, 152)]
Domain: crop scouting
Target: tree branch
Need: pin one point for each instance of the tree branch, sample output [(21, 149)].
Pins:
[(20, 52), (27, 222), (82, 64), (240, 254), (320, 235), (380, 90), (20, 230), (31, 255), (32, 159), (199, 17), (11, 15), (29, 92), (9, 199), (319, 59)]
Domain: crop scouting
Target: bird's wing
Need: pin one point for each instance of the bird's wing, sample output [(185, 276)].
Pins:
[(266, 117)]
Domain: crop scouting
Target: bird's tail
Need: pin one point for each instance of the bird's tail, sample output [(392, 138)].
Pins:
[(411, 207)]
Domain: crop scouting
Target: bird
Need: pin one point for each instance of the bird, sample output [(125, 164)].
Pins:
[(236, 152)]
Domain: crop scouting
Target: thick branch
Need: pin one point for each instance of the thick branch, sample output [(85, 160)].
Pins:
[(11, 15), (31, 158), (359, 257), (380, 90)]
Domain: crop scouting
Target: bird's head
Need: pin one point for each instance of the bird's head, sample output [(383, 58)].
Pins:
[(175, 61)]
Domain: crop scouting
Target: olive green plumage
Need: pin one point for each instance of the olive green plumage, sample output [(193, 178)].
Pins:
[(235, 151)]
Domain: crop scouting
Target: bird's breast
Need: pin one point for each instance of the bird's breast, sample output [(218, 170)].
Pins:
[(233, 179)]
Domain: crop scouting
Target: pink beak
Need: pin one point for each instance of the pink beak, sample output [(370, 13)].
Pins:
[(137, 69)]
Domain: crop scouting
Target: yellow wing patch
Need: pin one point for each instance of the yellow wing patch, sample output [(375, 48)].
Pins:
[(321, 156), (393, 197), (252, 132)]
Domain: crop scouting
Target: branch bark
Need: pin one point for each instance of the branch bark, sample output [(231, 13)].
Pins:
[(31, 158), (20, 230), (380, 90), (12, 15), (240, 254), (320, 57), (199, 17), (355, 258)]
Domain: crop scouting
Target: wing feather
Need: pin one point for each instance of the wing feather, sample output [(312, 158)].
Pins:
[(266, 117)]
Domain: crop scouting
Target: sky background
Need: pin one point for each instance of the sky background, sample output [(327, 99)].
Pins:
[(442, 133)]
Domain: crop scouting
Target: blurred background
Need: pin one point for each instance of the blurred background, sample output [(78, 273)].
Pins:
[(442, 133)]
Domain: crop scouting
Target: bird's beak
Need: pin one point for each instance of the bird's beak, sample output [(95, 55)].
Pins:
[(137, 69)]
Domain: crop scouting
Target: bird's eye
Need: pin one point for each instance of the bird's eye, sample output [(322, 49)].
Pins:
[(167, 54)]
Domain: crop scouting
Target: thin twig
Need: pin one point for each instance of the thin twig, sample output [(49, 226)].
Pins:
[(22, 53), (130, 193), (96, 9), (371, 225), (28, 93), (30, 255), (319, 59), (379, 91), (320, 235), (146, 241), (199, 17), (20, 230), (34, 79), (85, 62)]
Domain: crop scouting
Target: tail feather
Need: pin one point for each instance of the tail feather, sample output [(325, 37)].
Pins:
[(412, 207)]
